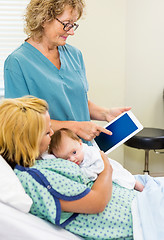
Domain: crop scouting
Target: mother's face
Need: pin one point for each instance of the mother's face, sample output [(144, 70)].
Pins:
[(45, 141)]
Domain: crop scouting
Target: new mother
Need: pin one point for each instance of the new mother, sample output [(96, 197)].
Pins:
[(60, 192), (46, 67)]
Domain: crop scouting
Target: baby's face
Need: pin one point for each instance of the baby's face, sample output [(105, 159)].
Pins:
[(70, 150)]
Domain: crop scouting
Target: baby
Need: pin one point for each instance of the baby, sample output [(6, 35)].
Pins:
[(67, 145)]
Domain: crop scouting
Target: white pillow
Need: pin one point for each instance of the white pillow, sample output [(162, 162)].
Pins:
[(12, 192)]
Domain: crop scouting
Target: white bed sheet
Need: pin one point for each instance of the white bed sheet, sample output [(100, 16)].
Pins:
[(16, 225), (137, 229)]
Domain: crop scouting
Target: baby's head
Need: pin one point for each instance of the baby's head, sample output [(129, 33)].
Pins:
[(67, 145)]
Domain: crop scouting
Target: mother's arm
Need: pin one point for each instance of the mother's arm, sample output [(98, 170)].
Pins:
[(99, 196)]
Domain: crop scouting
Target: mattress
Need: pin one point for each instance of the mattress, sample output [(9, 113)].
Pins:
[(16, 225)]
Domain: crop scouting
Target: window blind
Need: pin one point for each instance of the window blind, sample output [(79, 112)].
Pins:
[(11, 30)]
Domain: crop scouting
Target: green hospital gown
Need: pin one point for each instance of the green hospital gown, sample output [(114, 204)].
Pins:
[(115, 222)]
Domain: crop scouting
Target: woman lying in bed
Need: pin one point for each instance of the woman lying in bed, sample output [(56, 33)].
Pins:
[(60, 192)]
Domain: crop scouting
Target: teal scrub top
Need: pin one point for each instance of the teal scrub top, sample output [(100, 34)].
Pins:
[(28, 72)]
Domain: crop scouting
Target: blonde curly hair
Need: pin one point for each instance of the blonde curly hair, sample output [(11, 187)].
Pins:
[(22, 127), (40, 11)]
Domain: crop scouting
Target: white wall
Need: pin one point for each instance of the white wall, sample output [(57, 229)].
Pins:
[(123, 46), (145, 73)]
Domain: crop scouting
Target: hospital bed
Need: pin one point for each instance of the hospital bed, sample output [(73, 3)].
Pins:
[(16, 223)]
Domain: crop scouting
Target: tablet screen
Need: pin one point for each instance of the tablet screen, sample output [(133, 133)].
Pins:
[(124, 127)]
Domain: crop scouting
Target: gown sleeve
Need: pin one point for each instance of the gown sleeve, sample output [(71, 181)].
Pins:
[(68, 183)]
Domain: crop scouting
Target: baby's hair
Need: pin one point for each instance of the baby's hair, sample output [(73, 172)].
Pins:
[(56, 139)]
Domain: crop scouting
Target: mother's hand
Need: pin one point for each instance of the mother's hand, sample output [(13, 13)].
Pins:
[(107, 165), (99, 196), (89, 130)]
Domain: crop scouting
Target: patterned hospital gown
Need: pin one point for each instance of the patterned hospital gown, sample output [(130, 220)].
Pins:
[(115, 222)]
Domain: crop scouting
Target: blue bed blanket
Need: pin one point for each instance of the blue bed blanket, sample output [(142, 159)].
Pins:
[(150, 204)]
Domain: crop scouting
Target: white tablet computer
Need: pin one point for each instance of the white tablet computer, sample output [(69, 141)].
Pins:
[(123, 128)]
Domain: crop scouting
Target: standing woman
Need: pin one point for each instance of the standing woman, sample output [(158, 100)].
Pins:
[(46, 67)]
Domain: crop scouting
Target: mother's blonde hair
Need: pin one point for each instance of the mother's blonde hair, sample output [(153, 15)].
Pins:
[(22, 126)]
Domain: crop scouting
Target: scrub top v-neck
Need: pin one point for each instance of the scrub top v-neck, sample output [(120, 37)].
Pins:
[(28, 71)]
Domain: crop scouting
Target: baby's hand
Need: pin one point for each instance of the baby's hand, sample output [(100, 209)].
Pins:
[(139, 186)]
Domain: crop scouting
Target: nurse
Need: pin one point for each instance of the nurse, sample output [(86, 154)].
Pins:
[(47, 67)]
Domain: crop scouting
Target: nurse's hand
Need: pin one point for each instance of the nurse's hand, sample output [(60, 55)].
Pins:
[(114, 112), (89, 130)]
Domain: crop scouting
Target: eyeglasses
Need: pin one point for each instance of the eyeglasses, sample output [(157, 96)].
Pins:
[(68, 26)]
